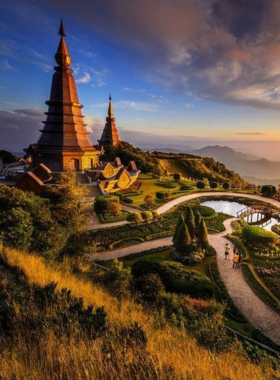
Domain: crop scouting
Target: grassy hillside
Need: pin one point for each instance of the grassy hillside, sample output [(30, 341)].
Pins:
[(126, 350), (198, 168), (162, 163)]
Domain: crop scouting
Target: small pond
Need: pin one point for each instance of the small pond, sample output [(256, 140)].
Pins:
[(232, 208)]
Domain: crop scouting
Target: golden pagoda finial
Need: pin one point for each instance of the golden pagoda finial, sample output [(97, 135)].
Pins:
[(62, 56), (110, 107)]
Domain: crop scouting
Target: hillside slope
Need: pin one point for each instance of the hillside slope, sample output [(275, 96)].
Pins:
[(137, 344), (162, 163)]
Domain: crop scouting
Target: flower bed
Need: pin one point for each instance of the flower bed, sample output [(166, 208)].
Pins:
[(259, 289)]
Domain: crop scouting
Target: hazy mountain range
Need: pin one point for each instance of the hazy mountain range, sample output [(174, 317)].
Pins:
[(252, 168)]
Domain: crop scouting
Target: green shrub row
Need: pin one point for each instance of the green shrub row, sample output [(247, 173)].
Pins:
[(231, 309), (176, 277), (258, 288)]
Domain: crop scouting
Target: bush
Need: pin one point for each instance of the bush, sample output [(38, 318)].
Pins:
[(149, 287), (226, 185), (258, 236), (161, 195), (213, 185), (146, 216), (175, 277), (107, 204), (167, 185), (205, 211), (177, 176), (134, 217), (156, 215), (268, 191), (200, 185)]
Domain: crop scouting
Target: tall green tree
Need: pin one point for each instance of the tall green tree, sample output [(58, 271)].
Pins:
[(183, 239), (197, 220), (189, 219), (68, 202), (180, 221), (202, 235)]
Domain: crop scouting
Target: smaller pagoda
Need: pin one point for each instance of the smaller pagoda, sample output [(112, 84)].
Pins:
[(110, 134)]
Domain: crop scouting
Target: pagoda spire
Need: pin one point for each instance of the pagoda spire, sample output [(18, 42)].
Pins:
[(62, 55), (65, 140), (110, 134), (110, 108), (62, 30)]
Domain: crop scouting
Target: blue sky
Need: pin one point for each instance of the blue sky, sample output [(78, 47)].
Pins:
[(184, 70)]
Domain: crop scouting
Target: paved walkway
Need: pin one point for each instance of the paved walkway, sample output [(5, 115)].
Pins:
[(94, 223), (252, 307)]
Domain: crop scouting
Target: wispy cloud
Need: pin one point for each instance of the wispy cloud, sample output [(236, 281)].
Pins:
[(86, 78), (7, 66), (189, 105), (129, 105), (133, 90)]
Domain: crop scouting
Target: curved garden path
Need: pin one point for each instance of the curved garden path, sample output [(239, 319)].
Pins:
[(258, 313), (94, 223)]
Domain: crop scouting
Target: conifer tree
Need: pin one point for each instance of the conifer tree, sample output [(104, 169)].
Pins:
[(180, 221), (197, 220), (183, 239), (202, 235), (189, 218)]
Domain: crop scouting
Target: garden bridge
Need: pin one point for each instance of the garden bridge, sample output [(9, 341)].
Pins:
[(262, 212)]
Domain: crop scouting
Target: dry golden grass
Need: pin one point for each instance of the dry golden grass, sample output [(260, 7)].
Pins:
[(59, 359)]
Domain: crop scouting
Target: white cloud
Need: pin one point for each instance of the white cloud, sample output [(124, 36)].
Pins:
[(86, 78)]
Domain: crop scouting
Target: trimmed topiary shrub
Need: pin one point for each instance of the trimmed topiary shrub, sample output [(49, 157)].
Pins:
[(213, 185), (177, 176), (176, 278), (161, 195), (200, 185), (146, 216)]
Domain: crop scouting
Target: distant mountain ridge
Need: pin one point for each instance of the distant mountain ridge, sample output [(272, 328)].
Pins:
[(247, 165)]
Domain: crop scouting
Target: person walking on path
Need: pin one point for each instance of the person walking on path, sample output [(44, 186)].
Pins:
[(235, 261), (227, 249)]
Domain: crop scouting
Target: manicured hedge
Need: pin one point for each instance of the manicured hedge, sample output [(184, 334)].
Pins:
[(258, 236), (176, 277), (207, 212)]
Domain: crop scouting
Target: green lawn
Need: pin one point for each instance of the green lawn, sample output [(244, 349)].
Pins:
[(150, 186)]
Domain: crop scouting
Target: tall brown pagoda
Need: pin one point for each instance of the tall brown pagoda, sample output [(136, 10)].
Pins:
[(65, 141), (110, 134)]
